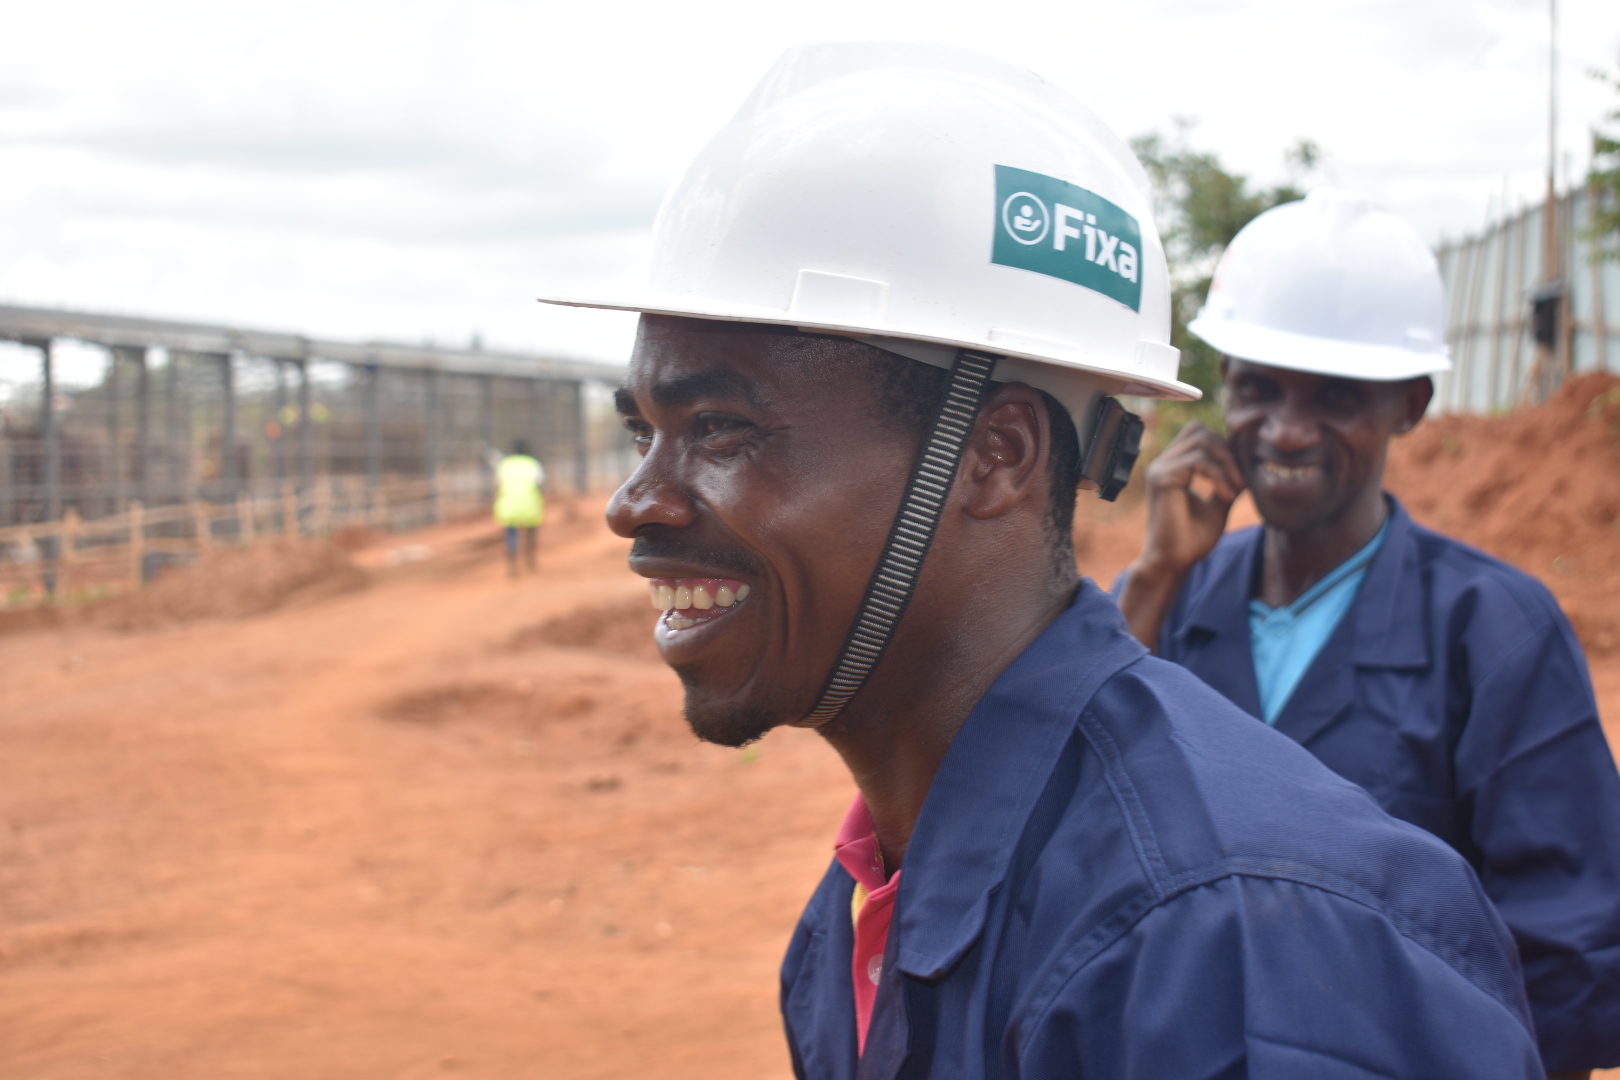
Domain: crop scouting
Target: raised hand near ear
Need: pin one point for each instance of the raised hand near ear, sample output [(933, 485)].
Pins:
[(1191, 488)]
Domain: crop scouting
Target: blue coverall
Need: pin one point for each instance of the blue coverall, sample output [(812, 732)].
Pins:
[(1455, 692), (1119, 875)]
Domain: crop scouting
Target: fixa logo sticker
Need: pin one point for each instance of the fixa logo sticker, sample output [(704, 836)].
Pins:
[(1052, 227)]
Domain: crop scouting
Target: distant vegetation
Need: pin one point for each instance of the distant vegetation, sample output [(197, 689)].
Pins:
[(1604, 178)]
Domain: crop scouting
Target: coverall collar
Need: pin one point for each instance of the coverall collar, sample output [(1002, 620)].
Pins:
[(1388, 620), (1384, 628), (992, 776), (1387, 617)]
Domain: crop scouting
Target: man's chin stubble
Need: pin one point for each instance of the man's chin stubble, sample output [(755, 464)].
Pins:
[(728, 724)]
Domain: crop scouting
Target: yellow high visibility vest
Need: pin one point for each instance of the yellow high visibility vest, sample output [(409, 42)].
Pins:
[(518, 501)]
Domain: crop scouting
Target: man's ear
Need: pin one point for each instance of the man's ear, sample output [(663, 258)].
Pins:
[(1415, 397), (1007, 453)]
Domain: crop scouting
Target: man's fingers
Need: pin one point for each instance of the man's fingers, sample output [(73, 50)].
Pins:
[(1210, 482), (1222, 452), (1199, 457), (1190, 431)]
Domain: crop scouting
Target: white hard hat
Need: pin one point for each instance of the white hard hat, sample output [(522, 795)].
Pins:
[(1331, 285), (925, 199), (948, 208)]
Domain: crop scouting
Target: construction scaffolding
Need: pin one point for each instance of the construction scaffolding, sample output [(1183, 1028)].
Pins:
[(1515, 330), (104, 415)]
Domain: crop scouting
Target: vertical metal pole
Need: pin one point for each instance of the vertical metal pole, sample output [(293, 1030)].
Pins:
[(539, 429), (582, 441), (227, 465), (1499, 316), (1521, 227), (1549, 238), (143, 427), (1546, 356), (52, 446), (373, 435), (1461, 366), (9, 478), (1563, 355), (430, 423), (537, 418), (115, 456), (1451, 259), (306, 429), (177, 441), (279, 419), (486, 406)]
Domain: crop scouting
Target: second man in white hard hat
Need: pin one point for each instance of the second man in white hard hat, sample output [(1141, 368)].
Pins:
[(890, 304), (1446, 683)]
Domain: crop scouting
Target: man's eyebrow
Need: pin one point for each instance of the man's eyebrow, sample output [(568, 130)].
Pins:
[(711, 382), (625, 401)]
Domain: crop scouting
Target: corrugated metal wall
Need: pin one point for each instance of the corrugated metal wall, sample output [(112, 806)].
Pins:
[(1489, 282)]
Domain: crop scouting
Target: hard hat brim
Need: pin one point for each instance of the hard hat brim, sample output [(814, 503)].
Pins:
[(1319, 356), (1141, 385)]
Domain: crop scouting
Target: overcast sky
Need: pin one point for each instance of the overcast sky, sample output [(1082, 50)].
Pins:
[(421, 169)]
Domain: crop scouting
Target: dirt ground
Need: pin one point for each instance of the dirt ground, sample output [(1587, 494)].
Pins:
[(416, 820)]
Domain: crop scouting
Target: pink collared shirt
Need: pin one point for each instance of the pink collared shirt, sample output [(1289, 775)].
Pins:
[(871, 908)]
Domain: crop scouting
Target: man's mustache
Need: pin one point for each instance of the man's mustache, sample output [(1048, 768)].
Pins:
[(658, 542)]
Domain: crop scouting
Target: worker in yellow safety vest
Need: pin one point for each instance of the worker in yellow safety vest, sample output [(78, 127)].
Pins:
[(520, 505)]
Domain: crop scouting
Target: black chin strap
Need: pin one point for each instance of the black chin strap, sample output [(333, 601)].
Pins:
[(895, 579)]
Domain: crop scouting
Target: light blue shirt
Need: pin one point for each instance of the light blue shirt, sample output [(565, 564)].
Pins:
[(1287, 639)]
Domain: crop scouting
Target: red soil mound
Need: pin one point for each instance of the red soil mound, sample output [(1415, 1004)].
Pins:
[(1539, 487), (235, 583)]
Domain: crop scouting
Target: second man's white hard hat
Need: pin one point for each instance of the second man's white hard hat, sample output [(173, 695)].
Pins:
[(925, 199), (1331, 285)]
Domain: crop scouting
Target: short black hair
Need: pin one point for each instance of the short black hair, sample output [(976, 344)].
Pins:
[(520, 446), (909, 396)]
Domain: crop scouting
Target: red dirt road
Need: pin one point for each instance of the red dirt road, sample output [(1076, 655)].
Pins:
[(399, 832), (369, 837)]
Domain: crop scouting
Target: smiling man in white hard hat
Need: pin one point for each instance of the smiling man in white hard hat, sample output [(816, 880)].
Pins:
[(890, 304), (1443, 681)]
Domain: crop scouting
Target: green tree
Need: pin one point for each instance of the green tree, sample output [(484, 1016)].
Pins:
[(1199, 207), (1604, 178)]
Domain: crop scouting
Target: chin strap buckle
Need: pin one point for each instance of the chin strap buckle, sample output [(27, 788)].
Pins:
[(1116, 442)]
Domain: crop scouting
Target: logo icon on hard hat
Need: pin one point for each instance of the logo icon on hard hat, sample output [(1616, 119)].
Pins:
[(1025, 218)]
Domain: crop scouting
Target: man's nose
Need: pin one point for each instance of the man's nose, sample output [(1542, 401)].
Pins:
[(649, 497), (1289, 428)]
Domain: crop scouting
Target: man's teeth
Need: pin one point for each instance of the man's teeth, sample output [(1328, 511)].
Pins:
[(702, 597), (1291, 472)]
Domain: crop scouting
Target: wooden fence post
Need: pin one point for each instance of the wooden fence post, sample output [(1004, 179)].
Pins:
[(137, 542), (289, 510), (201, 524), (67, 537), (323, 506)]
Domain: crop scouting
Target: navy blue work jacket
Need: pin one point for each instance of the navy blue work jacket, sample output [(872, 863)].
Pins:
[(1119, 875), (1456, 693)]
